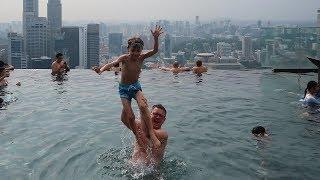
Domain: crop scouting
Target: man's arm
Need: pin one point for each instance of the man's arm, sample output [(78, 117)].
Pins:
[(165, 69), (185, 69), (156, 33)]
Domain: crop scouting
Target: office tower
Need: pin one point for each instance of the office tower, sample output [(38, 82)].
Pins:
[(167, 46), (73, 44), (93, 45), (115, 43), (16, 55), (246, 47), (54, 15), (36, 37)]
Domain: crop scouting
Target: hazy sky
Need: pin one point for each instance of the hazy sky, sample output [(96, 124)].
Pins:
[(133, 10)]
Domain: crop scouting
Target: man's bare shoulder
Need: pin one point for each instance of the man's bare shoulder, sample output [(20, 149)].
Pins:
[(162, 134)]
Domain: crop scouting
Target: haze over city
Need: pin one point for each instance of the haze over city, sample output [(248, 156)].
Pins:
[(145, 10)]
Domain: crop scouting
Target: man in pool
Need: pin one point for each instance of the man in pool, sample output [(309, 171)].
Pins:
[(175, 68), (59, 66), (140, 154), (199, 68)]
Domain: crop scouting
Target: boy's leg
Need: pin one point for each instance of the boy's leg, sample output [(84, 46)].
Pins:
[(146, 118), (127, 115)]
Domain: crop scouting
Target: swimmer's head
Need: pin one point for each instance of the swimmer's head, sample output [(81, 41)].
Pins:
[(312, 87), (135, 46), (176, 64), (59, 57), (158, 115), (259, 131), (199, 63)]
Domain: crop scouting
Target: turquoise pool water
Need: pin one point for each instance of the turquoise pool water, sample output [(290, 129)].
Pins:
[(72, 129)]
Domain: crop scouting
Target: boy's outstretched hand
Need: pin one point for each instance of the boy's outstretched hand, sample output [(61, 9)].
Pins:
[(157, 31), (96, 69)]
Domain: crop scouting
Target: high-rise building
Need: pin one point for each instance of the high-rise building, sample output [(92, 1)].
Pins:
[(93, 45), (197, 20), (187, 29), (115, 42), (318, 17), (246, 48), (40, 63), (35, 30), (54, 15), (167, 46), (16, 55), (73, 44), (36, 37)]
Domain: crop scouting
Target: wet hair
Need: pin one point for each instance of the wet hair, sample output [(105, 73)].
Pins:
[(2, 65), (160, 106), (59, 55), (135, 43), (176, 64), (258, 130), (310, 85), (199, 63)]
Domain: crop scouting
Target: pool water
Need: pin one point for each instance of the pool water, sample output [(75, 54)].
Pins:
[(71, 129)]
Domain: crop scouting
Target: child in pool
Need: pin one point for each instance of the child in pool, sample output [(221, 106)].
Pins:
[(259, 132), (130, 87)]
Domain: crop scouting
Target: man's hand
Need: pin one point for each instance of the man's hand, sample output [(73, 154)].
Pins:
[(157, 32)]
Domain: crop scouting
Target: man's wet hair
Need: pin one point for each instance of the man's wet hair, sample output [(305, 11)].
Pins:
[(199, 63), (258, 130), (2, 65), (59, 55), (160, 106), (135, 43), (176, 64)]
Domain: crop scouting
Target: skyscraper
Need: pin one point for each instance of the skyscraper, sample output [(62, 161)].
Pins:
[(318, 18), (30, 11), (36, 37), (197, 20), (115, 42), (93, 45), (54, 15), (35, 30), (73, 44), (16, 55), (167, 46), (246, 47)]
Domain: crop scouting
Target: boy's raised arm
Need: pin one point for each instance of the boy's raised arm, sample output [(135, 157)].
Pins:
[(156, 33)]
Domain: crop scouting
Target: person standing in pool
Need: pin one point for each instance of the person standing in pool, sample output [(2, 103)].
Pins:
[(140, 153), (199, 68), (130, 87), (310, 94), (59, 66)]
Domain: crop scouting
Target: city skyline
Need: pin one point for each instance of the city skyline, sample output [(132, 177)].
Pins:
[(98, 10)]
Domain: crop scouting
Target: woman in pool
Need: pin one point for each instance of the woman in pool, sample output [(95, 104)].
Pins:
[(310, 94)]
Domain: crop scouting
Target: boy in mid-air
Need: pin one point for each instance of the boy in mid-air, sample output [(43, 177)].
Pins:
[(130, 87)]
